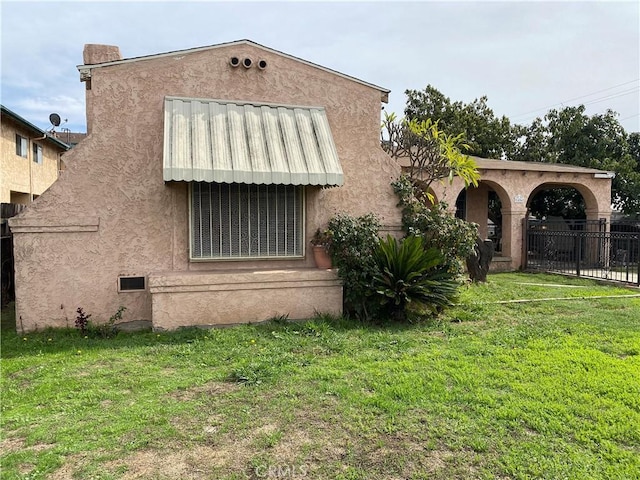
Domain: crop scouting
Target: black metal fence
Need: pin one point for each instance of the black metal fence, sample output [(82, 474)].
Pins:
[(584, 248)]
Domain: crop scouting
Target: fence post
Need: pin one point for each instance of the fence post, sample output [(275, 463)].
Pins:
[(637, 262), (578, 252), (525, 253)]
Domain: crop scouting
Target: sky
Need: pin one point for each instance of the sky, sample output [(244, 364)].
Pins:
[(526, 57)]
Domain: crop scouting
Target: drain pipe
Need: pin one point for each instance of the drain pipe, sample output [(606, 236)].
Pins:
[(30, 158)]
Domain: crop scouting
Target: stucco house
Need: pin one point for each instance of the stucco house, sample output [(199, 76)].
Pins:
[(193, 198), (31, 158)]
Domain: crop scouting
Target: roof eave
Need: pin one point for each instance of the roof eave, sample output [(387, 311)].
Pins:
[(17, 118)]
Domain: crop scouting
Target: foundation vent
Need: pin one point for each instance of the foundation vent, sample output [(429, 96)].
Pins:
[(130, 284)]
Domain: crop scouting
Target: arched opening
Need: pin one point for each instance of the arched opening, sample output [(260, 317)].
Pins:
[(563, 228), (484, 205), (557, 201)]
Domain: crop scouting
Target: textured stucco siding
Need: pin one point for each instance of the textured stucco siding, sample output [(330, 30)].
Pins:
[(15, 169), (229, 297), (115, 175)]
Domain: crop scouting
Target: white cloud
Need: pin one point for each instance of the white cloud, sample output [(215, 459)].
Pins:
[(523, 56)]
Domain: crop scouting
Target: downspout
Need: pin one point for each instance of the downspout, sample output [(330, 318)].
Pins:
[(30, 158)]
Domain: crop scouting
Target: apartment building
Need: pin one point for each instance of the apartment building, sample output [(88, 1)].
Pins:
[(30, 161)]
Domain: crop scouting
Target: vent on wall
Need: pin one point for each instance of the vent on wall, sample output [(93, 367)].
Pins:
[(246, 62), (128, 284)]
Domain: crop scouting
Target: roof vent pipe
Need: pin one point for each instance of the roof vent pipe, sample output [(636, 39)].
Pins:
[(247, 63), (262, 64), (234, 61)]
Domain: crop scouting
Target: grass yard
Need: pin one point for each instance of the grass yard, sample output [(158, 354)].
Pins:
[(547, 389)]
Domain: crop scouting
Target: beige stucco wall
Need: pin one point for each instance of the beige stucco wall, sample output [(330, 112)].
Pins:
[(16, 170), (111, 213), (212, 298)]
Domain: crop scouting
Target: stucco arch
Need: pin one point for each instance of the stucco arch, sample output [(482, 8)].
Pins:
[(503, 194), (477, 209), (590, 199), (515, 183), (444, 191)]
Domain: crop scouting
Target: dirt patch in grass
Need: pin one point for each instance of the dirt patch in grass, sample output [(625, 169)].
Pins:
[(17, 444), (193, 464), (211, 388), (237, 458), (73, 463), (12, 444)]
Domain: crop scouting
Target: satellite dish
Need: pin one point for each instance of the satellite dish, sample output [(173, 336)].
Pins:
[(54, 118)]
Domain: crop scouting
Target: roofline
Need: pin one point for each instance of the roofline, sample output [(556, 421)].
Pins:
[(85, 70), (536, 166), (28, 124), (518, 166)]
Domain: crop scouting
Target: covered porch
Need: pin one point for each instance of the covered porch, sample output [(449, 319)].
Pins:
[(515, 184)]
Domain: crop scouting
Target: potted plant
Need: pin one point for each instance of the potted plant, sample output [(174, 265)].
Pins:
[(320, 242)]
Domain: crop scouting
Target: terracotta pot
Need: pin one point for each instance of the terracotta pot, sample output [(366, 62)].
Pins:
[(321, 256)]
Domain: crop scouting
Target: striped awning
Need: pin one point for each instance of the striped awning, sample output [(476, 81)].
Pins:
[(241, 142)]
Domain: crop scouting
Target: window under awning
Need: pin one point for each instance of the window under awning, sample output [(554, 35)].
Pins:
[(241, 142)]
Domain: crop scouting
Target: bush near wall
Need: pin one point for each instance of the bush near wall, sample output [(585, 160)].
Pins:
[(385, 279), (452, 236)]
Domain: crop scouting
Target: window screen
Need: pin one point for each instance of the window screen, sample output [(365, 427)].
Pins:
[(246, 221), (37, 154), (21, 146)]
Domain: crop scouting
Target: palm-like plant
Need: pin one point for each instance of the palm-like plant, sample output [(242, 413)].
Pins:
[(408, 273)]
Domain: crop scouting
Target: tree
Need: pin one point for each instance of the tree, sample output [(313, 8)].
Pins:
[(565, 202), (569, 136), (453, 237), (530, 143), (433, 154), (487, 135)]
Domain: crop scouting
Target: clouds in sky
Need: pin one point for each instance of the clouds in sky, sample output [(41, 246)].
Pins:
[(525, 56)]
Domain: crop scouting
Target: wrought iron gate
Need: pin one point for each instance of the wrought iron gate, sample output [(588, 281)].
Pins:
[(584, 248)]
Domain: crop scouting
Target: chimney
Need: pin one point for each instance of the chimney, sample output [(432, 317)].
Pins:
[(94, 54)]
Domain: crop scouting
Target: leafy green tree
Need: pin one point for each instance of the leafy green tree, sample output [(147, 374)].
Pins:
[(530, 143), (433, 154), (487, 135), (452, 236), (634, 148), (565, 202), (569, 136)]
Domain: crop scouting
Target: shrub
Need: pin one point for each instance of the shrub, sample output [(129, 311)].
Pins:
[(82, 321), (452, 236), (408, 273), (353, 244), (108, 329), (103, 330)]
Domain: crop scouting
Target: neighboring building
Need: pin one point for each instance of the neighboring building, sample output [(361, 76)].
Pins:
[(203, 177), (69, 137), (31, 159)]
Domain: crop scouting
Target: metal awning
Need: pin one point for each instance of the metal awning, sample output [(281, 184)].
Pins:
[(241, 142)]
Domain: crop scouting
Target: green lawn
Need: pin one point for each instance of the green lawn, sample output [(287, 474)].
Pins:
[(547, 389)]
